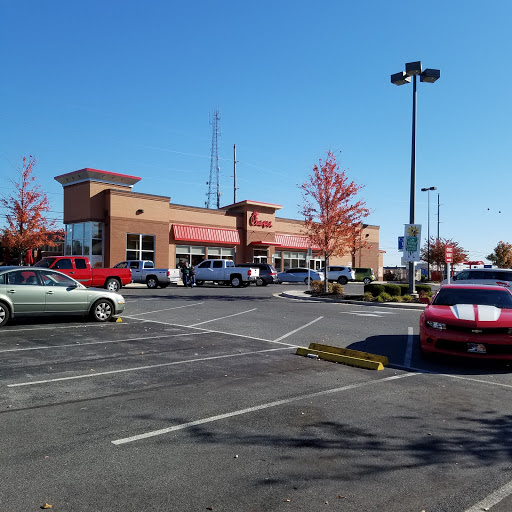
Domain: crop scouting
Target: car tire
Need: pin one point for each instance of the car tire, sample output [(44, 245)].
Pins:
[(260, 282), (343, 280), (102, 310), (152, 282), (307, 280), (199, 283), (236, 282), (112, 284), (367, 280), (4, 314)]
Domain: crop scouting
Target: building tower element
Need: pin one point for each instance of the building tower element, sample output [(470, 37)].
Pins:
[(213, 184)]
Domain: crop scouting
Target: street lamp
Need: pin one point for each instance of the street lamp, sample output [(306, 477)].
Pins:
[(427, 190), (429, 75)]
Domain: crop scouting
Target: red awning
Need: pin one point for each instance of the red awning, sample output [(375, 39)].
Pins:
[(205, 235), (294, 242)]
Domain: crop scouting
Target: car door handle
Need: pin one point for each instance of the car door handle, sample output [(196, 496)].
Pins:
[(11, 291), (71, 272), (50, 292)]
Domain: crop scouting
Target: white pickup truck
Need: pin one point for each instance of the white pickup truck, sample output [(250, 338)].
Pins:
[(225, 272), (144, 271)]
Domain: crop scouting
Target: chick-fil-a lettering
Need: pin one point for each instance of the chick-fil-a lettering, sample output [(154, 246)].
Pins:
[(253, 221)]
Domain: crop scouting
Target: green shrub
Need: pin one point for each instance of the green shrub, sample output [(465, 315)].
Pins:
[(374, 289), (317, 286), (379, 298), (368, 296), (397, 298), (404, 288), (386, 297), (423, 287), (407, 298), (392, 289)]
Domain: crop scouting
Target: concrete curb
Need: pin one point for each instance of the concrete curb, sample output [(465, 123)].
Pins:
[(300, 295)]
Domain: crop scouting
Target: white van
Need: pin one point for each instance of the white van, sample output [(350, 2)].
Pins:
[(493, 276)]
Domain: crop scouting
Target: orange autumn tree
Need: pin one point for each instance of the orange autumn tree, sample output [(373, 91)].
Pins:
[(27, 226), (333, 219)]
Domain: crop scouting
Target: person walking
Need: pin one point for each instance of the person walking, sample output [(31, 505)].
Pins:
[(185, 271), (192, 276)]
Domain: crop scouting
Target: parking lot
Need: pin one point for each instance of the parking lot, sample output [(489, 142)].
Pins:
[(197, 401)]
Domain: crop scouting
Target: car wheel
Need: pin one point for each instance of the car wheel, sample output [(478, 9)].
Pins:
[(152, 282), (112, 284), (102, 310), (199, 283), (4, 314), (343, 280), (236, 282), (307, 280), (259, 281), (367, 280)]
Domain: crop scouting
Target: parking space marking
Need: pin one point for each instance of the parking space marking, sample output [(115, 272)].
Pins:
[(168, 309), (79, 344), (138, 368), (248, 410), (222, 317), (297, 330), (9, 332), (408, 350), (492, 499)]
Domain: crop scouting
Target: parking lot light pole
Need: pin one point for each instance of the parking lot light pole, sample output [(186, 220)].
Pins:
[(427, 190), (404, 77)]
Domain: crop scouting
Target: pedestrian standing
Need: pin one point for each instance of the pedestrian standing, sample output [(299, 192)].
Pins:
[(184, 272), (192, 276)]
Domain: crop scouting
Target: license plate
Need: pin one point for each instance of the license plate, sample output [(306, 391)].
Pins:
[(477, 348)]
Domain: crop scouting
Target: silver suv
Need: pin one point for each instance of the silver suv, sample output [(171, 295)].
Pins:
[(492, 276), (340, 274)]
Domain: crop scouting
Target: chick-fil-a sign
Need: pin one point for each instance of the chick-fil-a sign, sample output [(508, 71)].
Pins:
[(254, 221)]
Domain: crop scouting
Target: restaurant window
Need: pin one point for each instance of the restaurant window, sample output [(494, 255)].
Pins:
[(217, 253), (260, 256), (316, 262), (277, 259), (293, 259), (85, 239), (191, 253), (140, 247)]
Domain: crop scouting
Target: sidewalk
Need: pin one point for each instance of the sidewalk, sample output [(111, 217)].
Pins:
[(302, 295)]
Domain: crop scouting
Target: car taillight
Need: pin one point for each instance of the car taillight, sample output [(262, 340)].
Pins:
[(168, 273), (273, 273), (249, 272)]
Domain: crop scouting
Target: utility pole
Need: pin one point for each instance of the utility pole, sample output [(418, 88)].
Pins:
[(213, 184), (235, 161), (438, 216)]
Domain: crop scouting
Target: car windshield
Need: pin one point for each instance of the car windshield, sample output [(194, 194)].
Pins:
[(44, 263), (451, 296)]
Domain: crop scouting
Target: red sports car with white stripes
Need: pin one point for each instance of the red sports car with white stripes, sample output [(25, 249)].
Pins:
[(468, 320)]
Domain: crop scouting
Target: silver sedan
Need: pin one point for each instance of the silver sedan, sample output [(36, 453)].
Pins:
[(29, 291), (299, 275)]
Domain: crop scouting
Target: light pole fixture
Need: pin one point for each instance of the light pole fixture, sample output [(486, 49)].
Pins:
[(413, 69), (427, 190)]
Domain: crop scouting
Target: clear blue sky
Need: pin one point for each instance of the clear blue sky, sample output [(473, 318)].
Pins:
[(128, 86)]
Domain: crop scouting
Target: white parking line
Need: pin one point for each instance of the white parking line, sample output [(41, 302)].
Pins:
[(79, 344), (168, 309), (297, 330), (492, 499), (138, 368), (248, 410), (408, 350), (222, 317)]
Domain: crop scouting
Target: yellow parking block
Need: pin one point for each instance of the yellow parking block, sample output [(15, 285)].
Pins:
[(349, 352), (345, 356)]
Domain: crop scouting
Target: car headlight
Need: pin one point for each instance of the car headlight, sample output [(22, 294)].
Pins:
[(510, 330), (436, 325)]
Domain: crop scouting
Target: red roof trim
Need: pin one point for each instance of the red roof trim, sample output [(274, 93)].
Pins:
[(294, 242), (264, 242), (205, 235)]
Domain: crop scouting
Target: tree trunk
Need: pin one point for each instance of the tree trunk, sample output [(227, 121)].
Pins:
[(326, 281)]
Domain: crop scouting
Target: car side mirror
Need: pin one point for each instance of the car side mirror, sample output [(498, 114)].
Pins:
[(454, 278)]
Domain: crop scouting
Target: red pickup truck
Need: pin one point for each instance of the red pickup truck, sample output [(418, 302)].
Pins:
[(79, 268)]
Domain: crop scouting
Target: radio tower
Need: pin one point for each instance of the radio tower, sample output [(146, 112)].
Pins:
[(213, 184)]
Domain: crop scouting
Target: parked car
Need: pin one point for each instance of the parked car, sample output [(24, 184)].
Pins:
[(488, 276), (340, 274), (299, 275), (30, 291), (144, 271), (268, 274), (79, 268), (225, 271), (469, 321), (364, 274)]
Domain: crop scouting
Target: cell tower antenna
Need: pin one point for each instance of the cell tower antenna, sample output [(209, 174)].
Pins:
[(213, 183)]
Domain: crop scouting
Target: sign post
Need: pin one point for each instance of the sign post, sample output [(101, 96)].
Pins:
[(310, 255), (448, 258)]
